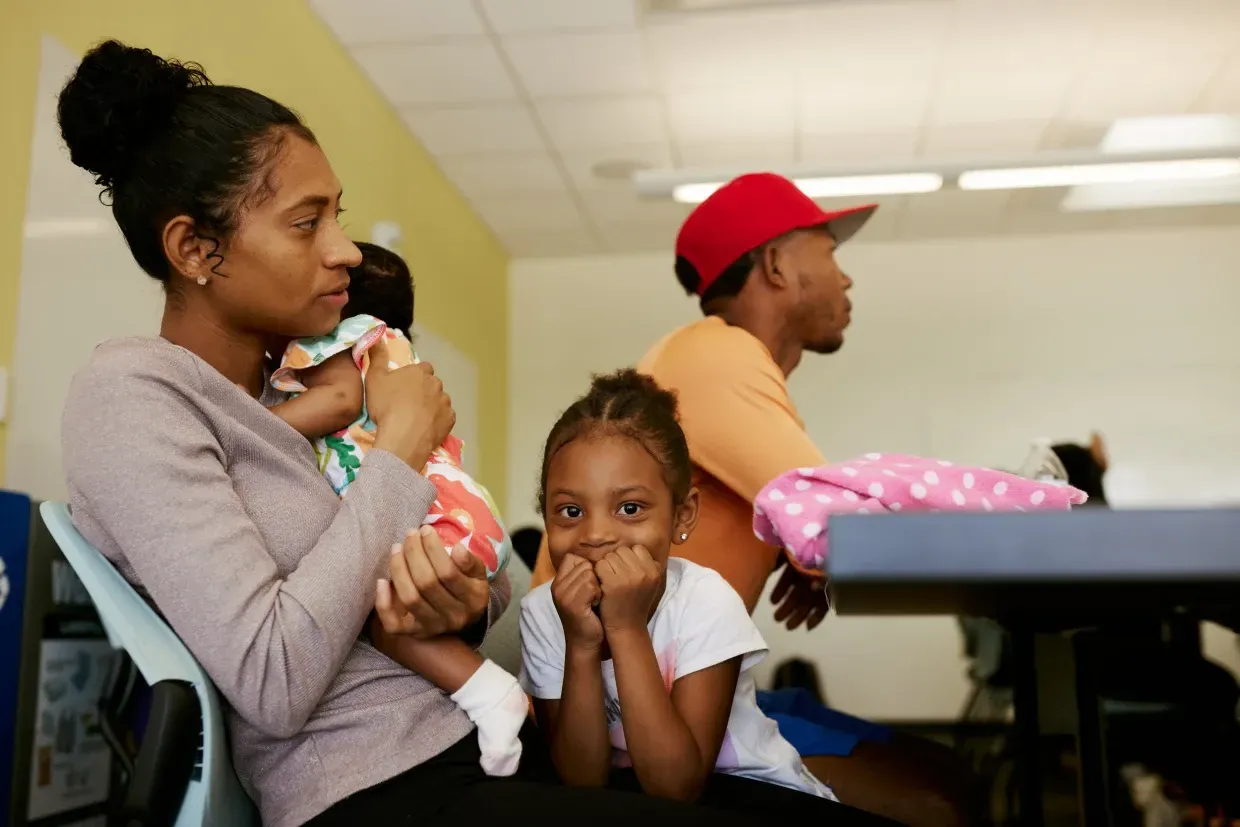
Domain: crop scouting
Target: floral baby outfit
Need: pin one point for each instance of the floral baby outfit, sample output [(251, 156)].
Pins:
[(464, 512)]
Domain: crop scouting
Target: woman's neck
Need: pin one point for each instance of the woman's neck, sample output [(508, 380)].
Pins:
[(238, 356)]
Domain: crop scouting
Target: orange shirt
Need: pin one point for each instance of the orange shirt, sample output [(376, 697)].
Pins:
[(743, 431)]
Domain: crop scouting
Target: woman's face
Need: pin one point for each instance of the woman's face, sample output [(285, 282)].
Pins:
[(284, 270)]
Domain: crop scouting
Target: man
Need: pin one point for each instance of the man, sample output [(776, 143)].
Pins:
[(761, 256)]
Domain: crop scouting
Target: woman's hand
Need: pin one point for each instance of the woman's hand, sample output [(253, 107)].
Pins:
[(431, 593), (410, 407), (575, 592), (631, 581)]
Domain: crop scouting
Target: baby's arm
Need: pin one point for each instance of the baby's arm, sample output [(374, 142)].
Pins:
[(331, 402), (446, 661), (673, 741)]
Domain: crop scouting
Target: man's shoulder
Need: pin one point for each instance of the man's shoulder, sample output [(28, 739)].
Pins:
[(707, 346)]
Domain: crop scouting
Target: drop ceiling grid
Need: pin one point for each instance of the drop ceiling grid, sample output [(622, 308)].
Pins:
[(519, 99)]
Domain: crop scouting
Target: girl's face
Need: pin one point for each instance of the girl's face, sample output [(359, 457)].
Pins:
[(608, 492)]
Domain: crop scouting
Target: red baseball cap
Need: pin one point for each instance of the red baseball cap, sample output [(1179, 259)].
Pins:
[(749, 211)]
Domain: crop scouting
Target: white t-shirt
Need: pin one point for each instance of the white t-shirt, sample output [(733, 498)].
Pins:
[(700, 622)]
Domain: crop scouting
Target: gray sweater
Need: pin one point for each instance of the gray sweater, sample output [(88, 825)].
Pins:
[(215, 508)]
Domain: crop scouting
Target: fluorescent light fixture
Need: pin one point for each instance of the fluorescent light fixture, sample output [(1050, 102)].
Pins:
[(1201, 135), (1197, 169), (1163, 133), (67, 227), (1150, 194), (849, 186)]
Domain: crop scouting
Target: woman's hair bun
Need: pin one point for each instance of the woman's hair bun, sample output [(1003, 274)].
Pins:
[(118, 101)]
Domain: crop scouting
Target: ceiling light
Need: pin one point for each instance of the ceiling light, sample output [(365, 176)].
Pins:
[(848, 186), (1197, 169)]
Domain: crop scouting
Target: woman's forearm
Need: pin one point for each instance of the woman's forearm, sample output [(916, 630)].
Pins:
[(580, 744), (665, 755)]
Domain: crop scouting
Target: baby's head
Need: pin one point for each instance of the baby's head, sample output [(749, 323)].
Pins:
[(381, 287), (616, 472)]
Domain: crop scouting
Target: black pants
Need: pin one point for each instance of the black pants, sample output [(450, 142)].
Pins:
[(452, 790)]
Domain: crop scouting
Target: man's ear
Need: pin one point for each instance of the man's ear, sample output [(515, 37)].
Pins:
[(190, 256), (686, 517), (771, 262), (1098, 449)]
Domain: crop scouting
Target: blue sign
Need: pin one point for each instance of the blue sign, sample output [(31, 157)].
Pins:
[(14, 549)]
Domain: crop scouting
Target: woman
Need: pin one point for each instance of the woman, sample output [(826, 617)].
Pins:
[(216, 508)]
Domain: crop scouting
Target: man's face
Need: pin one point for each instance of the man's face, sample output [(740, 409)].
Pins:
[(819, 306)]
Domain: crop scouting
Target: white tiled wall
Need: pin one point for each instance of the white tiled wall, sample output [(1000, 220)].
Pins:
[(963, 350)]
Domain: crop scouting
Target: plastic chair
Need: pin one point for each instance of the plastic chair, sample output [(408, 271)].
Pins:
[(182, 775)]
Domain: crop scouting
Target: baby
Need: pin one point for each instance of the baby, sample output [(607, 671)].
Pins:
[(326, 375)]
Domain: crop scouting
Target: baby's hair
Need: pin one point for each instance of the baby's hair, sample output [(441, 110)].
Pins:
[(381, 287), (626, 403)]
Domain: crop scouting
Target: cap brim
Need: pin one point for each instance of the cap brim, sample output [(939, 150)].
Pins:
[(844, 224)]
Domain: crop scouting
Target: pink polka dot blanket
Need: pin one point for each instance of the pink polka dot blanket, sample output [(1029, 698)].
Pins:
[(793, 510)]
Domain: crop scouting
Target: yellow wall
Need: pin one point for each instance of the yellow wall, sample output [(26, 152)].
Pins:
[(281, 49)]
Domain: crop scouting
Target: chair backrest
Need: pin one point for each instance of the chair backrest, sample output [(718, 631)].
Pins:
[(213, 795)]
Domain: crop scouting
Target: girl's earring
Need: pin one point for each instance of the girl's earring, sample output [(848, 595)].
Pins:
[(684, 537), (202, 281)]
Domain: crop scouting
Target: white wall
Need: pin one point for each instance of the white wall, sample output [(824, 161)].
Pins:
[(964, 350)]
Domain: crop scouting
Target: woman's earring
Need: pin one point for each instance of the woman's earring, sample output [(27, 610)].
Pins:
[(202, 281), (684, 537)]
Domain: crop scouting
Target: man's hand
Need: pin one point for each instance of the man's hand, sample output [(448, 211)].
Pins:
[(799, 597)]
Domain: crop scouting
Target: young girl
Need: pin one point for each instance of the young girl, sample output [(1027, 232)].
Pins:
[(326, 375), (640, 665)]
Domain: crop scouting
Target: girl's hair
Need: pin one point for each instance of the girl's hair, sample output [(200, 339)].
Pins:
[(381, 287), (631, 405), (163, 141)]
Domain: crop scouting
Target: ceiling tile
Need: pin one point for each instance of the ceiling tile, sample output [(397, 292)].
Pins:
[(856, 149), (748, 155), (509, 16), (581, 163), (610, 207), (1155, 61), (582, 124), (859, 40), (1029, 92), (1063, 135), (1012, 139), (488, 175), (953, 212), (545, 212), (472, 130), (466, 70), (397, 21), (732, 114), (883, 102), (712, 51), (580, 63)]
